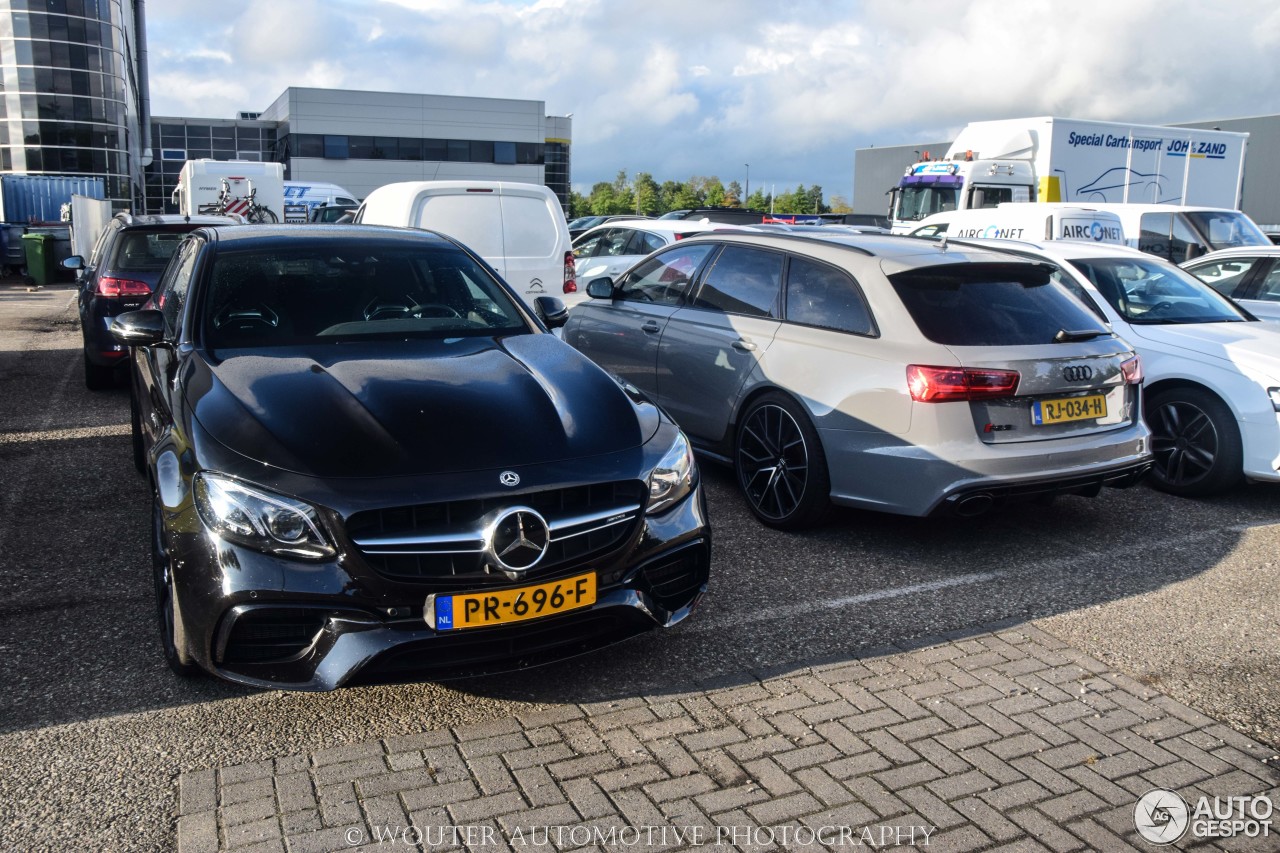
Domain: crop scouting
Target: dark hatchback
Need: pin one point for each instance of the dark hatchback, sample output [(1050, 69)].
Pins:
[(122, 270), (370, 463)]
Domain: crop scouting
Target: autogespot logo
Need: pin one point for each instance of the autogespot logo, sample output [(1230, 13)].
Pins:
[(1161, 816)]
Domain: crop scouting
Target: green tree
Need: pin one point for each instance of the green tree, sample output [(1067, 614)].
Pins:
[(713, 192), (760, 200), (602, 199), (648, 194), (839, 204), (669, 197), (733, 194)]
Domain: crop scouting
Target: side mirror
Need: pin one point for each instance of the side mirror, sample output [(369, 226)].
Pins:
[(600, 288), (143, 328), (552, 311), (75, 262)]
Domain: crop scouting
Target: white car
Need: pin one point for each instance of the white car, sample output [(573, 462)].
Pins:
[(1212, 387), (1248, 274), (609, 250)]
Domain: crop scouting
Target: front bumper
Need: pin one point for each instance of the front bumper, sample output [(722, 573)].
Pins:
[(270, 622)]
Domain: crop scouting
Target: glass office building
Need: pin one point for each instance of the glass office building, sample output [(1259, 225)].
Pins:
[(72, 77)]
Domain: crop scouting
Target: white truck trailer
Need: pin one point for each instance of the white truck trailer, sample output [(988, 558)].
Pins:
[(249, 188), (1075, 161)]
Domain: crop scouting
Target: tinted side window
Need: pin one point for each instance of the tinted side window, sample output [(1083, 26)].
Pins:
[(666, 278), (173, 288), (1154, 236), (1225, 276), (819, 295), (643, 243), (743, 281), (1077, 290), (1270, 287)]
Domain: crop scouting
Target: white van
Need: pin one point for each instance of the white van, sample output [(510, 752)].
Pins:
[(1179, 232), (301, 197), (518, 229), (1026, 222)]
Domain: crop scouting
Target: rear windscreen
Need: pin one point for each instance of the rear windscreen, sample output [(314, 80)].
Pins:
[(138, 250), (993, 305)]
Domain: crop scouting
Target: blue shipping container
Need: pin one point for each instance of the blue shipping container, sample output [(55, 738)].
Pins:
[(39, 198)]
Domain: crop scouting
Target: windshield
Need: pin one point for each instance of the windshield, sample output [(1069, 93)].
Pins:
[(915, 203), (329, 292), (1226, 229), (1149, 292)]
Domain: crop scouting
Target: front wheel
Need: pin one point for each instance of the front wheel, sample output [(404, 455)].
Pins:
[(265, 216), (173, 635), (1195, 441), (781, 467)]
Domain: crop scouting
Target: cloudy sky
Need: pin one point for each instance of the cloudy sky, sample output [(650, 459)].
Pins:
[(702, 87)]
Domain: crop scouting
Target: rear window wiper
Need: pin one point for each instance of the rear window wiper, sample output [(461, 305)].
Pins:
[(1066, 336)]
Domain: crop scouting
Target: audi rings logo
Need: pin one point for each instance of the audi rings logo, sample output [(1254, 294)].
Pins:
[(509, 478), (517, 539), (1077, 373), (1161, 816)]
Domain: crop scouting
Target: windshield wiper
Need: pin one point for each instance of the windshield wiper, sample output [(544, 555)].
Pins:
[(1066, 336)]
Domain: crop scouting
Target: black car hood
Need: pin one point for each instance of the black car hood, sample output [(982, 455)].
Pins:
[(413, 407)]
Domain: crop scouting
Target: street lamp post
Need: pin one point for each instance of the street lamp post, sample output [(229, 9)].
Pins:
[(746, 194)]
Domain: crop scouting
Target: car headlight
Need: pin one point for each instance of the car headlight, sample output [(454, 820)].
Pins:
[(673, 477), (259, 519)]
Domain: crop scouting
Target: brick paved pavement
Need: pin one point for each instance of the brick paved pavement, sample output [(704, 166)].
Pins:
[(1005, 740)]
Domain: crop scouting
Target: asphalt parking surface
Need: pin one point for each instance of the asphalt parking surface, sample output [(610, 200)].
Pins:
[(94, 730)]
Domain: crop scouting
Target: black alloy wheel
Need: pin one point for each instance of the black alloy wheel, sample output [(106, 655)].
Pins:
[(173, 637), (780, 464), (1195, 441)]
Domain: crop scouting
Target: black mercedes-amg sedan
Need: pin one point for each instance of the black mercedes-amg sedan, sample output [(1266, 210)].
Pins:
[(369, 462)]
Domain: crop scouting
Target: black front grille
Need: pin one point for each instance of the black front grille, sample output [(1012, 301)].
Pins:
[(466, 566), (271, 634), (675, 579)]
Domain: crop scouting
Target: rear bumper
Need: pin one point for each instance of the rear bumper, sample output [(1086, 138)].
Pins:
[(883, 472), (973, 500)]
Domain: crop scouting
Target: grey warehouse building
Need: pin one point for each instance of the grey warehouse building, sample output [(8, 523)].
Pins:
[(362, 140), (877, 169)]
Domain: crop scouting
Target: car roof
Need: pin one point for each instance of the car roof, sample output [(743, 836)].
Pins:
[(664, 226), (259, 236), (1069, 249), (1234, 251), (897, 253), (143, 220)]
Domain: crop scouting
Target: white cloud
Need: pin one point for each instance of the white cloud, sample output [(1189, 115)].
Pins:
[(678, 88)]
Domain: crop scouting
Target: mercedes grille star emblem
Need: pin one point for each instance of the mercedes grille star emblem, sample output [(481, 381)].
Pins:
[(509, 478), (518, 539), (1077, 373)]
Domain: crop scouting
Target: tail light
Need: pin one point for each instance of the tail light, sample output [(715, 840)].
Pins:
[(1132, 370), (947, 384), (570, 286), (112, 286)]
